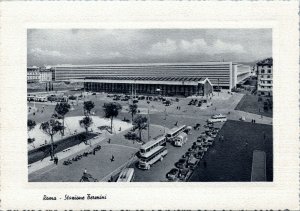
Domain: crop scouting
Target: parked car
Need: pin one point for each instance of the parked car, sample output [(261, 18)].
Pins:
[(181, 163), (183, 174), (172, 174)]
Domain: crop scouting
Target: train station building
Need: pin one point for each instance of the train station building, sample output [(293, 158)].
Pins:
[(157, 78)]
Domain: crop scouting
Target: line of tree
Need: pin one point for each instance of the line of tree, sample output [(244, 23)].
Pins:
[(133, 108), (111, 110), (140, 123), (51, 127), (30, 126), (87, 107), (61, 110)]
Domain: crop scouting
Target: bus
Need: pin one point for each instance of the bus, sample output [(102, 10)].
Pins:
[(151, 157), (126, 175), (174, 132), (180, 140), (145, 148), (217, 118)]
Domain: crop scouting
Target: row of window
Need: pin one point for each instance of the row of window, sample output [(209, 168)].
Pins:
[(265, 76), (263, 71), (265, 87), (265, 82)]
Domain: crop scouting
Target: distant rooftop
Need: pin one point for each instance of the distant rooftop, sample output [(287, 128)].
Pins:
[(268, 61)]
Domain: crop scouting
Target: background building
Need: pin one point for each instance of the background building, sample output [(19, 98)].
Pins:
[(168, 86), (265, 77), (45, 74), (220, 74), (33, 74)]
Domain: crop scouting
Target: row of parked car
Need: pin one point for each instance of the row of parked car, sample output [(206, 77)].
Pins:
[(197, 102), (188, 162)]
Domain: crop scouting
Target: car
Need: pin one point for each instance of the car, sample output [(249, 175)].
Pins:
[(183, 173), (192, 162), (181, 163), (172, 174), (199, 155), (94, 93)]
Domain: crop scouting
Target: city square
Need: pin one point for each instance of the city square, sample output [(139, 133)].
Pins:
[(208, 121)]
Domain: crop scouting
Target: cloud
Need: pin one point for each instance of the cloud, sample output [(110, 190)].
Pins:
[(162, 48), (37, 52), (195, 46)]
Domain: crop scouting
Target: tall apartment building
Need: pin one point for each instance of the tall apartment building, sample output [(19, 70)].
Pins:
[(45, 74), (33, 74), (265, 77)]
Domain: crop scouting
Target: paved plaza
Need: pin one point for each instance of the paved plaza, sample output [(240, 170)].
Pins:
[(162, 118)]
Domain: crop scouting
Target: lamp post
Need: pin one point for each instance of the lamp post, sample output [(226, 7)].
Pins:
[(218, 86), (148, 121)]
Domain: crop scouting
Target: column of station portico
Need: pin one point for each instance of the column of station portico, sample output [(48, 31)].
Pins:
[(142, 88)]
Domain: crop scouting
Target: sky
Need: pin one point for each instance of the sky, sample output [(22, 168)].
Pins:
[(115, 46)]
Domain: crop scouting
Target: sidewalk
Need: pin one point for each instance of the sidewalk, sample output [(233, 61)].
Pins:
[(67, 152)]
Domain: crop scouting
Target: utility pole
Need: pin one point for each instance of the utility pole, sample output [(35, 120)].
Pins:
[(148, 121), (218, 86)]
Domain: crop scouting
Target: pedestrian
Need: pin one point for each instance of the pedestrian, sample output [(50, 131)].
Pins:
[(94, 151), (56, 160), (85, 172), (254, 121), (176, 123), (109, 140), (112, 158)]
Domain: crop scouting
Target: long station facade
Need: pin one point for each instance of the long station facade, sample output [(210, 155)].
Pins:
[(164, 78)]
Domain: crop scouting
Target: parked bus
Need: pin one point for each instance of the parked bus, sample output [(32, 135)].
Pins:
[(174, 132), (217, 118), (152, 152), (41, 99), (151, 157), (126, 175), (145, 148), (180, 140)]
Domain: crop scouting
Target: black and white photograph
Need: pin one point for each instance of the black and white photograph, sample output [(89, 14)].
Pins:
[(150, 105), (138, 105)]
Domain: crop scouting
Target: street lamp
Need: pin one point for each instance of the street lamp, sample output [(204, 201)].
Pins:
[(148, 121), (218, 86)]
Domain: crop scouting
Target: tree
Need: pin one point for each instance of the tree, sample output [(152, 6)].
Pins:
[(62, 109), (86, 122), (111, 110), (50, 128), (88, 106), (30, 125), (133, 110), (140, 123)]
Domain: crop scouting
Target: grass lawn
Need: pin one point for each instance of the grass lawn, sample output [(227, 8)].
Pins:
[(250, 104), (231, 160)]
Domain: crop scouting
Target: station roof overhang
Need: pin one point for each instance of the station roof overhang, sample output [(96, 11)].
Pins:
[(170, 81)]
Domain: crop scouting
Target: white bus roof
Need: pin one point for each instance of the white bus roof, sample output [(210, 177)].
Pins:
[(125, 175), (218, 116), (152, 142), (147, 154), (174, 129), (182, 135)]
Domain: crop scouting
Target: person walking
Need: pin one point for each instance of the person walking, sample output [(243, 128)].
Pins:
[(109, 140), (112, 158)]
